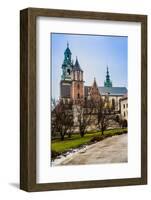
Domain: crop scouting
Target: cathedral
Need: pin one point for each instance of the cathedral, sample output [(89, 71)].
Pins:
[(72, 84)]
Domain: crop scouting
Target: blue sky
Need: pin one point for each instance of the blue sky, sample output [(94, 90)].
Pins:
[(94, 54)]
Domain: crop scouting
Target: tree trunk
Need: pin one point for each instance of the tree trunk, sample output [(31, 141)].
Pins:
[(82, 133), (69, 135), (102, 131), (62, 137)]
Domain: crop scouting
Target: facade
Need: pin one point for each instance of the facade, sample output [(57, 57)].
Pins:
[(124, 107), (72, 85)]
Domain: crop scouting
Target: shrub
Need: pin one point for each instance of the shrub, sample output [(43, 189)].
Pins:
[(54, 154), (124, 124), (117, 118), (99, 138)]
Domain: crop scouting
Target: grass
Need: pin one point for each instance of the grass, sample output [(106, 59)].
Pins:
[(76, 141)]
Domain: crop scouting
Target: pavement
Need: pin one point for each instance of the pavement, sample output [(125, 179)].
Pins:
[(110, 150)]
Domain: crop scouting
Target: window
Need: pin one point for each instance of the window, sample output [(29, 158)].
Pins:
[(113, 104), (123, 105), (78, 95), (68, 71), (78, 78), (124, 114)]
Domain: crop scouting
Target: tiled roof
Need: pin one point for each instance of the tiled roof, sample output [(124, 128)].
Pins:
[(113, 91), (124, 97), (76, 66)]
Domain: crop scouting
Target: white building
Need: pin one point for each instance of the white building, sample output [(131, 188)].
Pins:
[(124, 107)]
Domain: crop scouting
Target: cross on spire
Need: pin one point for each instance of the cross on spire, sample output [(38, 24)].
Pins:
[(107, 70), (94, 80), (67, 44)]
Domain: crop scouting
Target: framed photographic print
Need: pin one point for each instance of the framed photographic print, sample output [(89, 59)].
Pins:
[(83, 99)]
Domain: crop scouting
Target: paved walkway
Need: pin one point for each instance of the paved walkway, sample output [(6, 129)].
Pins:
[(110, 150)]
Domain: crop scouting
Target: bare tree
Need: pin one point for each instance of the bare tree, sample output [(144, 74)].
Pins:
[(84, 112), (102, 114), (54, 125), (62, 118)]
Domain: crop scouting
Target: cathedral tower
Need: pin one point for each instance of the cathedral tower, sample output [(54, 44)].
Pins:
[(77, 88), (65, 83)]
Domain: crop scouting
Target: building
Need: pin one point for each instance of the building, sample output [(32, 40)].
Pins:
[(124, 107), (72, 84)]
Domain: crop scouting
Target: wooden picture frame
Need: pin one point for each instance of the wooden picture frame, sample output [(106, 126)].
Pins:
[(28, 98)]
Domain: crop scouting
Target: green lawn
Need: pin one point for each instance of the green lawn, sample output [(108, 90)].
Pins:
[(76, 140)]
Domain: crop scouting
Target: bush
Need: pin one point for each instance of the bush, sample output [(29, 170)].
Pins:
[(101, 137), (54, 154), (117, 118), (97, 139), (124, 124)]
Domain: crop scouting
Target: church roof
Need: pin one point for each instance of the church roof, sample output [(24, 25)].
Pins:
[(124, 97), (76, 66), (94, 83), (112, 91)]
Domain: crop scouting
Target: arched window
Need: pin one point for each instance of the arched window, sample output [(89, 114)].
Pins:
[(68, 71), (78, 78), (113, 104), (78, 95), (119, 103)]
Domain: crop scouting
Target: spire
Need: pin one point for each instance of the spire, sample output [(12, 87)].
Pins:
[(67, 56), (107, 74), (94, 91), (67, 51), (94, 83), (77, 65), (107, 70), (108, 82)]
